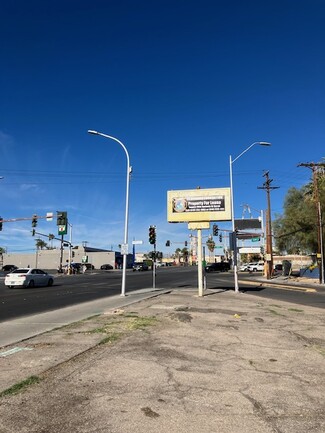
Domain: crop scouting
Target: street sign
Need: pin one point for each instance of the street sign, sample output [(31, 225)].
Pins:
[(49, 216), (255, 239), (62, 230), (137, 242), (124, 249), (247, 224)]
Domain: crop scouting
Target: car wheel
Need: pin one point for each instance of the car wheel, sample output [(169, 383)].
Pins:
[(254, 270), (31, 283), (50, 282), (10, 287)]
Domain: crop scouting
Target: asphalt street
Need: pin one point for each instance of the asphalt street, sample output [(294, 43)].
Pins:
[(70, 290)]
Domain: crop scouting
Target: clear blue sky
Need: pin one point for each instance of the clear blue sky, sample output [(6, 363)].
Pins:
[(183, 84)]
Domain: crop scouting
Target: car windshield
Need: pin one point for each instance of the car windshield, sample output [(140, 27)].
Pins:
[(20, 271)]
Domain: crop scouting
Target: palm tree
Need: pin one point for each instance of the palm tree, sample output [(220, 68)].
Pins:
[(178, 254), (185, 254), (40, 244), (211, 246)]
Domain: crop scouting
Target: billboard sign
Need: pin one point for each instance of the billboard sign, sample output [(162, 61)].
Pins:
[(248, 224), (193, 205)]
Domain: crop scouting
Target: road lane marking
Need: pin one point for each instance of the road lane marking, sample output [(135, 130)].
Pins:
[(13, 351)]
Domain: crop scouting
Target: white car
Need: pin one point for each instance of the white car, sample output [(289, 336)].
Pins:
[(256, 267), (244, 266), (28, 277)]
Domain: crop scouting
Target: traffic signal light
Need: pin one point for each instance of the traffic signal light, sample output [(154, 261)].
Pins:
[(168, 244), (61, 218), (34, 221), (51, 236), (220, 237), (186, 243), (152, 235), (73, 254), (215, 230), (1, 220), (33, 232)]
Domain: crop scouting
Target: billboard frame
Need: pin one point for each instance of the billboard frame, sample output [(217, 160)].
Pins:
[(199, 205)]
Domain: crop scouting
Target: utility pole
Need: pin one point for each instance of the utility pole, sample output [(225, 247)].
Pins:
[(269, 250), (320, 247)]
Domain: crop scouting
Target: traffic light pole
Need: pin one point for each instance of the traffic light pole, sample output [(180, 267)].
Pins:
[(154, 267), (61, 254)]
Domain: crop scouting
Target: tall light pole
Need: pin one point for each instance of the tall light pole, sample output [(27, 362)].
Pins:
[(231, 161), (126, 223)]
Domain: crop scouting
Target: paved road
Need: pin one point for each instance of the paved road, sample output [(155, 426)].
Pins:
[(76, 289)]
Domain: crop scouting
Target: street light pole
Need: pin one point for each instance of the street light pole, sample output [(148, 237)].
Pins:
[(231, 161), (70, 246), (126, 221)]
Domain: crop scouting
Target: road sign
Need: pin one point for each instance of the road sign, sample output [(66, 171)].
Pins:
[(124, 249), (62, 230), (255, 239), (49, 216), (137, 242)]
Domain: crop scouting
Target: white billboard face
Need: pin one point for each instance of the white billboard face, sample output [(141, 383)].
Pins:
[(195, 205)]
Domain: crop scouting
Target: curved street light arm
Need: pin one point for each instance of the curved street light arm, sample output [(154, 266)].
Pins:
[(261, 143), (231, 161), (126, 224)]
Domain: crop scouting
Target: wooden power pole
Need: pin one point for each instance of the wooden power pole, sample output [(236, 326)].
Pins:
[(269, 249)]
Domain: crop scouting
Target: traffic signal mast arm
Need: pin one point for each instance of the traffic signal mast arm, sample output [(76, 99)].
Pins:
[(11, 220), (51, 237)]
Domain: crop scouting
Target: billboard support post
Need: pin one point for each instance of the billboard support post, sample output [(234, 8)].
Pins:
[(199, 256), (198, 207)]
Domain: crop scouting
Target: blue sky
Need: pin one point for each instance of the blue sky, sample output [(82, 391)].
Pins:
[(183, 84)]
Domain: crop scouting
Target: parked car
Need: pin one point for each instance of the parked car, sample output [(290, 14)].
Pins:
[(140, 266), (278, 269), (79, 266), (28, 277), (9, 268), (256, 267), (106, 267), (244, 266), (219, 266)]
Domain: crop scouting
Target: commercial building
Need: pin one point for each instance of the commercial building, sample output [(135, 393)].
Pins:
[(52, 258)]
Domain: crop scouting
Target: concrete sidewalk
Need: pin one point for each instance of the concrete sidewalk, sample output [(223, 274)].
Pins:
[(226, 363)]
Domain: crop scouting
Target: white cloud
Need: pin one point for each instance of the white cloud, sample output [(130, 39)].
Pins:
[(28, 186)]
